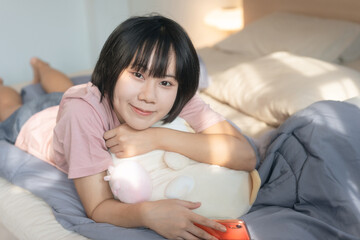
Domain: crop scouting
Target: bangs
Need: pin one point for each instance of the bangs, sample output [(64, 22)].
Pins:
[(154, 51)]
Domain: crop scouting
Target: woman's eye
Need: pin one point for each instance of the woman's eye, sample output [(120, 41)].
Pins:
[(138, 75), (166, 83)]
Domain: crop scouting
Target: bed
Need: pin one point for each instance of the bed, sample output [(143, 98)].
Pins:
[(285, 71)]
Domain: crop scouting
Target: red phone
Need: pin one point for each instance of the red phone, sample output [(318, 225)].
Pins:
[(236, 230)]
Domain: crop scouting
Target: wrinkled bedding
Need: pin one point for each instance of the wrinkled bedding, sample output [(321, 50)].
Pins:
[(309, 172), (310, 177)]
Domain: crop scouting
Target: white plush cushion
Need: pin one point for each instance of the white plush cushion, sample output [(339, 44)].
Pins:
[(320, 38), (273, 87), (224, 193)]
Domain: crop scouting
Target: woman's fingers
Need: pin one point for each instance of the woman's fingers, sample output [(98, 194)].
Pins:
[(110, 134), (188, 204), (111, 142), (199, 233)]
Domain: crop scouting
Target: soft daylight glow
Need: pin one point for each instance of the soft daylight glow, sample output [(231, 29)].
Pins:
[(343, 89), (227, 19)]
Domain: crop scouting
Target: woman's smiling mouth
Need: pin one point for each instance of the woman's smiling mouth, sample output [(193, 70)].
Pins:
[(141, 111)]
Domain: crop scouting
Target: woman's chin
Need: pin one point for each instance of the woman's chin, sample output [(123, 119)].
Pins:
[(140, 126)]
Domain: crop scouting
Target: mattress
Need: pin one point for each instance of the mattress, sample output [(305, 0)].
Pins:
[(29, 217)]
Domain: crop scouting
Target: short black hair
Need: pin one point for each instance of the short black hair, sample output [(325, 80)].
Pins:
[(133, 42)]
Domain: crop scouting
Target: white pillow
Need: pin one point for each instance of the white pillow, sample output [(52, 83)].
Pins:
[(355, 101), (351, 53), (320, 38), (273, 87)]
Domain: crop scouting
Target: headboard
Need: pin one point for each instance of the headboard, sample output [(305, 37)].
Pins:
[(337, 9)]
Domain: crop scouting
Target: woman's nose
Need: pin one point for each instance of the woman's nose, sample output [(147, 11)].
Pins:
[(148, 92)]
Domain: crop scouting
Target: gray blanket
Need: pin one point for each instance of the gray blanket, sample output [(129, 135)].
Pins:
[(310, 177), (310, 181)]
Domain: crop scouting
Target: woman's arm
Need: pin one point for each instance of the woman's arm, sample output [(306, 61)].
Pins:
[(169, 218), (220, 144)]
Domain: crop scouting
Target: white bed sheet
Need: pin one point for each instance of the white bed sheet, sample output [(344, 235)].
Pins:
[(249, 126), (28, 217)]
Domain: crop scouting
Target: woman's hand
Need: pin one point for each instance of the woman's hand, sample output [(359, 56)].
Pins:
[(125, 141), (174, 219)]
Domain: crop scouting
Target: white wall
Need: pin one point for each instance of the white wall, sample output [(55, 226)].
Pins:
[(189, 14), (70, 33), (53, 30), (66, 33), (102, 18)]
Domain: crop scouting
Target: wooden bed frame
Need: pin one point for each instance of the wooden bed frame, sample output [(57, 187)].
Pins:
[(338, 9)]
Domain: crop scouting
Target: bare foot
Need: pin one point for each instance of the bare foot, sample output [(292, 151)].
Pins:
[(37, 63)]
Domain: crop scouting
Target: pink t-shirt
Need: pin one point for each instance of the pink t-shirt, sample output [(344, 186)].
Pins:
[(77, 146)]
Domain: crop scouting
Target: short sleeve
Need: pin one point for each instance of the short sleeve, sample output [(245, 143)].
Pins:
[(199, 115), (79, 147)]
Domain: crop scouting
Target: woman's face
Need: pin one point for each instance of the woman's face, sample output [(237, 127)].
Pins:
[(141, 100)]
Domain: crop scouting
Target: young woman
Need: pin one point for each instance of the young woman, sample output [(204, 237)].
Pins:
[(148, 71)]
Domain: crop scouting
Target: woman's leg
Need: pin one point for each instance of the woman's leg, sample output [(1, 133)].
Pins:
[(50, 79), (10, 101)]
